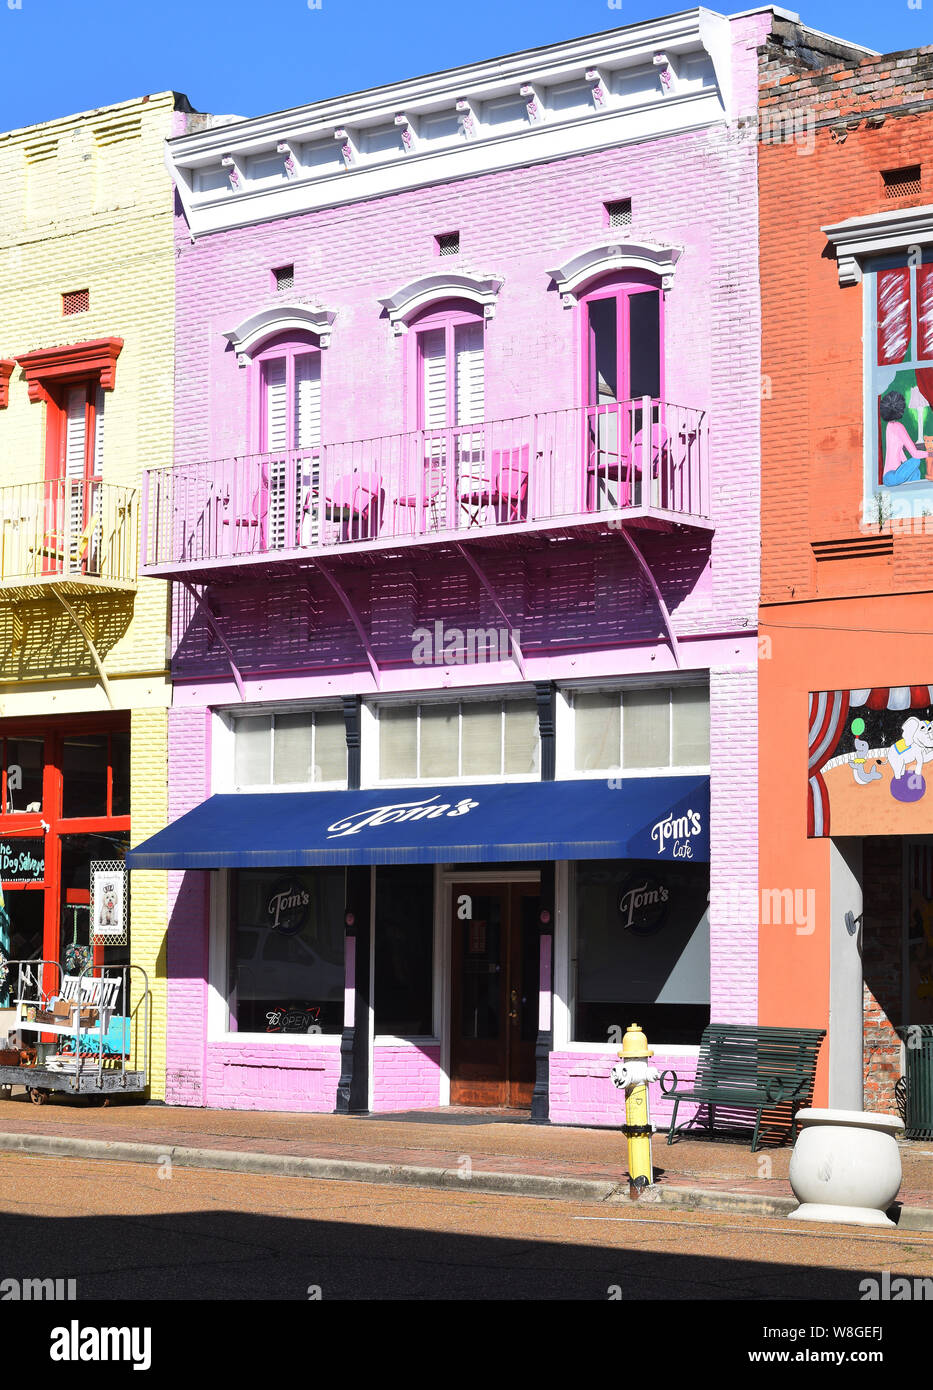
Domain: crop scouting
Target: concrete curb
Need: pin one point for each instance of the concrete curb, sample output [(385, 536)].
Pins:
[(413, 1175)]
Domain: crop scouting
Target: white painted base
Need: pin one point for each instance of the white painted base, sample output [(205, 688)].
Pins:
[(850, 1216)]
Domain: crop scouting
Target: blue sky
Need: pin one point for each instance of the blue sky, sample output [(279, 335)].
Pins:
[(251, 56)]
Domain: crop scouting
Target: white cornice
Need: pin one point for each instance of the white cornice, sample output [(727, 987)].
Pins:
[(545, 103), (406, 302), (858, 238), (574, 275), (279, 318)]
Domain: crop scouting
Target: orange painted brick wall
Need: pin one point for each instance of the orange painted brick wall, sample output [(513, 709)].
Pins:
[(827, 623)]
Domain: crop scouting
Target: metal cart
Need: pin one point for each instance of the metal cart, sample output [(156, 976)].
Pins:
[(96, 1074)]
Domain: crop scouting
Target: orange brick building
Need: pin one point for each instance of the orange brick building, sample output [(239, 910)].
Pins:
[(846, 676)]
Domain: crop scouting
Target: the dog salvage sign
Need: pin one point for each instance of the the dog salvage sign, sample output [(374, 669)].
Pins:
[(108, 899)]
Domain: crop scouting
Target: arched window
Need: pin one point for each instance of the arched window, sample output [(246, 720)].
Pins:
[(623, 339), (288, 394), (448, 341), (623, 375)]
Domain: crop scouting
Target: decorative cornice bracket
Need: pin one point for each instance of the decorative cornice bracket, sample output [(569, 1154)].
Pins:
[(859, 238), (406, 302), (7, 366), (573, 277), (76, 359), (249, 335)]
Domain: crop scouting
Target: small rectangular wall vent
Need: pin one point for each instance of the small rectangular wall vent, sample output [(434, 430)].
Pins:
[(901, 183), (619, 213), (854, 548), (448, 244), (76, 302), (284, 277)]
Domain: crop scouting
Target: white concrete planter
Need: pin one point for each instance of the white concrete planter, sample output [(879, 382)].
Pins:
[(846, 1166)]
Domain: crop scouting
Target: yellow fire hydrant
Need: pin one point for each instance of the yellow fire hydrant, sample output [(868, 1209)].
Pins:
[(633, 1074)]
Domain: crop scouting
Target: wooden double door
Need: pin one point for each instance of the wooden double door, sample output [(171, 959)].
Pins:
[(494, 993)]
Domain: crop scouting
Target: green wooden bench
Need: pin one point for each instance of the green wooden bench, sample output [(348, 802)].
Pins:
[(747, 1067)]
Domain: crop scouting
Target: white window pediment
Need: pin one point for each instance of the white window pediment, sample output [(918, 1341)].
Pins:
[(249, 335), (859, 238), (573, 277), (406, 302)]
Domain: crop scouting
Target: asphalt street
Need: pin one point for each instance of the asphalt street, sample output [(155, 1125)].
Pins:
[(129, 1231)]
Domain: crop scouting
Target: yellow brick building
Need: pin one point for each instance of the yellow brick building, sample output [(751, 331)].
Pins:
[(86, 390)]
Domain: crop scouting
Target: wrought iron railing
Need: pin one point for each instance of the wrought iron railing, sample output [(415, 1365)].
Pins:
[(635, 456), (75, 529)]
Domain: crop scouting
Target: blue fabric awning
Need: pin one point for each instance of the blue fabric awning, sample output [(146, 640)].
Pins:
[(625, 818)]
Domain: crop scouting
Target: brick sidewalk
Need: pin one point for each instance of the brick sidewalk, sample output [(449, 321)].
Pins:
[(491, 1141)]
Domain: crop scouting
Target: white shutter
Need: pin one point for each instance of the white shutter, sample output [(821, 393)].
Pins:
[(434, 379), (307, 400), (99, 433), (75, 431), (468, 348), (276, 406), (74, 485), (468, 343)]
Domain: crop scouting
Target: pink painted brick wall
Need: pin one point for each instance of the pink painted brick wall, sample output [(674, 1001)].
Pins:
[(518, 224), (250, 1076), (406, 1077), (582, 1092), (187, 941)]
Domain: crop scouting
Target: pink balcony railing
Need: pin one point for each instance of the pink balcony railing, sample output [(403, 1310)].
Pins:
[(77, 530), (634, 457)]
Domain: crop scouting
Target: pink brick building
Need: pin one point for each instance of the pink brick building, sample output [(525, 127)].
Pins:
[(463, 536)]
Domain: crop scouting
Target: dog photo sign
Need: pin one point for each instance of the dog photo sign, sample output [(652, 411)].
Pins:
[(108, 901)]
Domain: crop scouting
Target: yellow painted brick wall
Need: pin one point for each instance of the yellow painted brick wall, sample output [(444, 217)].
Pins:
[(149, 812), (87, 204)]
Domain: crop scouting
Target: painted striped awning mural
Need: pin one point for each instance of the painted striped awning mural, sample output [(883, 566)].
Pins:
[(867, 751)]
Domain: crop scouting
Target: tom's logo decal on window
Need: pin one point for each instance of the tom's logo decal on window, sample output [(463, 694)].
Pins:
[(288, 907), (673, 834), (644, 907), (429, 809)]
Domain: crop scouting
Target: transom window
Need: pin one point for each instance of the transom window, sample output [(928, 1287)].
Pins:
[(665, 726), (459, 739), (290, 749)]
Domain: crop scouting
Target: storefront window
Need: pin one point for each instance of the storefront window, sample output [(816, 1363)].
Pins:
[(642, 950), (290, 749), (23, 775), (636, 729), (459, 739), (287, 951), (21, 917), (120, 772), (404, 957), (84, 775)]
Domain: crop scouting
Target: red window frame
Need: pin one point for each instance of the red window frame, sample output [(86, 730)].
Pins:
[(51, 814)]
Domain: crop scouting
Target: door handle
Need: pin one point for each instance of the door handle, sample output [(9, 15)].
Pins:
[(513, 1012)]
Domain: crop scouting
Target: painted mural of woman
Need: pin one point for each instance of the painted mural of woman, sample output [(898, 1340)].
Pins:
[(901, 455)]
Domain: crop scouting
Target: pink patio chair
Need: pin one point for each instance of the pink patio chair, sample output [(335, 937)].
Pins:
[(659, 454), (351, 498), (254, 520), (428, 501), (608, 459), (507, 490)]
